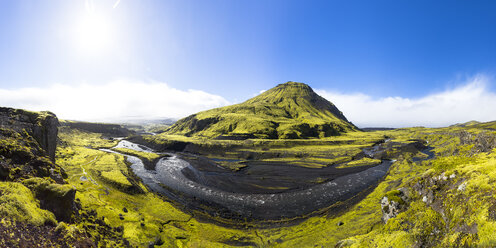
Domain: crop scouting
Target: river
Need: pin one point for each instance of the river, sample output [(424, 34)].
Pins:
[(168, 179)]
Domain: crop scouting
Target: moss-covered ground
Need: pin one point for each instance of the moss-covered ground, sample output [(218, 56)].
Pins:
[(450, 201)]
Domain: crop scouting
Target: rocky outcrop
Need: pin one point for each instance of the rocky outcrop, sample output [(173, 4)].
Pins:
[(430, 186), (28, 141), (57, 198), (41, 126), (393, 203)]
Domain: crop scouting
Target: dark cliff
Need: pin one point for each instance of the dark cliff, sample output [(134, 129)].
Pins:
[(41, 126)]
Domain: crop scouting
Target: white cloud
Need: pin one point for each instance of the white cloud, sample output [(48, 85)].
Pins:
[(472, 101), (114, 101)]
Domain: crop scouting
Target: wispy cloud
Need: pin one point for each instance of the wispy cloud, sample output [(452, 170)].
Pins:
[(471, 101), (118, 100), (116, 3)]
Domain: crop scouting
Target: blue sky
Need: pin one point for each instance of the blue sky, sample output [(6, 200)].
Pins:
[(230, 50)]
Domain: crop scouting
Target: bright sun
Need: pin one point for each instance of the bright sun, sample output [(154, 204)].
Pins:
[(93, 34)]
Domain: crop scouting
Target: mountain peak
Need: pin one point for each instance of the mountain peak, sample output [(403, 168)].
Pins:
[(289, 84), (299, 99), (288, 90), (289, 110)]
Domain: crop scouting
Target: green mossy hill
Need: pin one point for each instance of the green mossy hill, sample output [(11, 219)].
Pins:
[(288, 111)]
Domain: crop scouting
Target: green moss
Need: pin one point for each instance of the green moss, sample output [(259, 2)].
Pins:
[(116, 176), (147, 157), (361, 162), (17, 202), (395, 195)]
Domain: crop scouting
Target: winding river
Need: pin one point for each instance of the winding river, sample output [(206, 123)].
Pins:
[(168, 179)]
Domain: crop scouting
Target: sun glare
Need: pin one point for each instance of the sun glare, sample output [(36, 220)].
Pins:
[(93, 34)]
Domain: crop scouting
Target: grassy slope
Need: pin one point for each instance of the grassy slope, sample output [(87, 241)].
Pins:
[(290, 110)]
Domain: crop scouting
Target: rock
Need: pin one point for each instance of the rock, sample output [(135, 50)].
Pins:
[(462, 186), (124, 210), (121, 216), (45, 132), (340, 223), (393, 203), (29, 144), (430, 185), (429, 197), (345, 243), (57, 198), (42, 126), (442, 177)]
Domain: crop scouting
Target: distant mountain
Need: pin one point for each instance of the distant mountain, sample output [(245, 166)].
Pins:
[(288, 111), (466, 124)]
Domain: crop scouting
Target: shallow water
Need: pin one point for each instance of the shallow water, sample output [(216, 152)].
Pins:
[(133, 146)]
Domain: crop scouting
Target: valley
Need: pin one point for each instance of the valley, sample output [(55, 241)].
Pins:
[(227, 185)]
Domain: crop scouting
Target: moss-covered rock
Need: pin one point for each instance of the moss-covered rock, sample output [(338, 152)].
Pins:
[(394, 202), (27, 145), (58, 198), (19, 203)]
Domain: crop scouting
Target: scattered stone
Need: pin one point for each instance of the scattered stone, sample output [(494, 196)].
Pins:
[(462, 186), (124, 210), (452, 176), (340, 223), (121, 217), (443, 177)]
